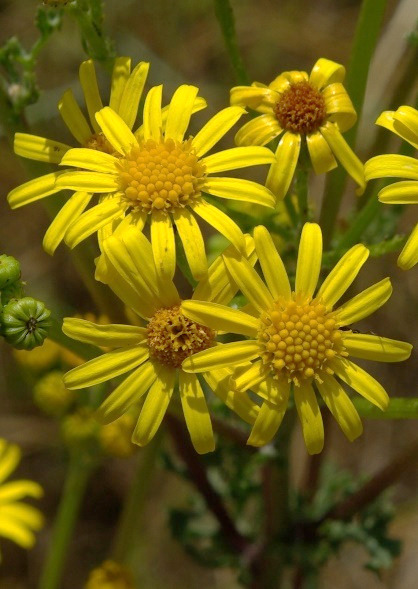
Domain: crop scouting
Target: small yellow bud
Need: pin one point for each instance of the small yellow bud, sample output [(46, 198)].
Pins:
[(110, 575), (51, 395), (80, 428), (115, 438)]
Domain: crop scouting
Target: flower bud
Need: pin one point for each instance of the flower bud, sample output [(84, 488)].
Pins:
[(9, 270), (110, 575), (24, 323), (115, 437), (51, 395), (80, 429), (13, 291)]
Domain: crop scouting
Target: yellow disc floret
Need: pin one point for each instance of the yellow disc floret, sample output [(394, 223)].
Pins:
[(172, 337), (299, 338), (161, 176), (301, 108)]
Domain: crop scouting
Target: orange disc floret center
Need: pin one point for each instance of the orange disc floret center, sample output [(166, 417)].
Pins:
[(298, 338), (98, 142), (172, 337), (301, 108), (161, 176)]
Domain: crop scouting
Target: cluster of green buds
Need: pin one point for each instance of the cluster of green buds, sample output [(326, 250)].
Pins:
[(24, 321)]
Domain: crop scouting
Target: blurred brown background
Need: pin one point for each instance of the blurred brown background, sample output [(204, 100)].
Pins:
[(183, 42)]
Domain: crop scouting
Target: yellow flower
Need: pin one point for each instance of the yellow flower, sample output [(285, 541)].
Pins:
[(160, 176), (316, 107), (403, 122), (115, 438), (18, 521), (51, 396), (155, 351), (299, 340), (110, 575), (125, 94)]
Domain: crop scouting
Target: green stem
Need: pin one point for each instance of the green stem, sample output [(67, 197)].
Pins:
[(128, 531), (399, 408), (360, 223), (365, 39), (225, 16), (301, 187), (79, 470)]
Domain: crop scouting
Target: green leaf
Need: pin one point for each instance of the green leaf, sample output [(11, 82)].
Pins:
[(399, 408)]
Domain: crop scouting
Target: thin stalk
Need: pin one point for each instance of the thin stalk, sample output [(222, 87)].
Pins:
[(225, 16), (128, 530), (365, 39), (301, 187), (399, 408), (79, 470)]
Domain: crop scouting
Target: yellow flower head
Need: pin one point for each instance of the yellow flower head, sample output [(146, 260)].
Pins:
[(110, 575), (51, 395), (403, 122), (297, 105), (125, 94), (18, 521), (297, 338), (157, 174), (155, 351), (115, 437)]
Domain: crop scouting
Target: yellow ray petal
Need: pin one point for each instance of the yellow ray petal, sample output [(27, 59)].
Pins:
[(132, 92), (221, 356), (343, 274), (239, 189), (365, 303), (140, 252), (180, 111), (33, 190), (86, 181), (362, 382), (400, 193), (105, 367), (271, 264), (90, 159), (163, 244), (26, 515), (341, 407), (248, 281), (196, 413), (217, 286), (120, 75), (155, 406), (17, 490), (340, 109), (391, 166), (237, 157), (281, 172), (91, 221), (267, 423), (244, 407), (275, 391), (91, 92), (114, 336), (409, 255), (221, 222), (326, 72), (216, 128), (259, 131), (250, 376), (74, 118), (220, 317), (310, 418), (199, 104), (285, 79), (374, 347), (401, 122), (258, 98), (192, 240), (13, 530), (320, 153), (71, 210), (39, 148), (130, 390), (309, 260), (10, 456), (344, 154), (153, 124), (116, 131)]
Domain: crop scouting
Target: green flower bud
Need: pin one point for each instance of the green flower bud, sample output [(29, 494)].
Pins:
[(9, 270), (24, 323), (14, 291)]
